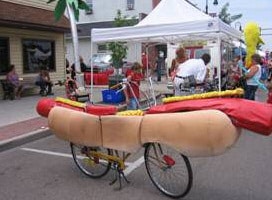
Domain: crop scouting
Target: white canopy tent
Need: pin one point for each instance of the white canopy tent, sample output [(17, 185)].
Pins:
[(171, 21)]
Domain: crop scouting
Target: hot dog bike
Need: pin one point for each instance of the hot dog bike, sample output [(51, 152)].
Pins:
[(198, 125)]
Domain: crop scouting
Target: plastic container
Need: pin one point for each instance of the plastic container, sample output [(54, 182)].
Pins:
[(112, 96)]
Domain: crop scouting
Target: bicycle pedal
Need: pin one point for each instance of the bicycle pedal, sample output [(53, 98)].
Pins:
[(113, 181)]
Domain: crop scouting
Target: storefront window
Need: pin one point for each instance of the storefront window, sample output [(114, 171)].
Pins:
[(38, 54), (4, 55)]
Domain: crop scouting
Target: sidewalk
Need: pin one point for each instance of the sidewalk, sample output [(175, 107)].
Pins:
[(19, 119)]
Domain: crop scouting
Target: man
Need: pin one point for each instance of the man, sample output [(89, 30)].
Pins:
[(160, 65), (192, 67)]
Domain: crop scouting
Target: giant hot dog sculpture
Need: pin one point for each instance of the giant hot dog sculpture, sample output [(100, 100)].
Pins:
[(207, 132)]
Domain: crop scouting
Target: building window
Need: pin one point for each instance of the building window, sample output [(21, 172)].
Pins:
[(38, 54), (90, 4), (102, 48), (130, 4), (4, 55)]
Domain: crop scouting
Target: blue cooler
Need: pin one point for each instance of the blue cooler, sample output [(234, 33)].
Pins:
[(112, 96)]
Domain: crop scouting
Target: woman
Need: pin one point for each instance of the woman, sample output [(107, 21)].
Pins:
[(13, 79), (180, 58), (252, 76)]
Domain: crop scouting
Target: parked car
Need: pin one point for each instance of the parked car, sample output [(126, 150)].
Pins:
[(101, 63)]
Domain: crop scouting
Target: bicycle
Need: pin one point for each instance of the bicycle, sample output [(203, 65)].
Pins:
[(164, 164)]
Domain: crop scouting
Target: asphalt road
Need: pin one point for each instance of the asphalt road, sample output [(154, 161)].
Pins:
[(44, 170)]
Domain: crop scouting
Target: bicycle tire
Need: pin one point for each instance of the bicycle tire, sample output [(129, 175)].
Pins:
[(88, 165), (174, 177)]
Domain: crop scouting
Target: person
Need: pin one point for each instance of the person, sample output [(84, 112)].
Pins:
[(67, 64), (43, 80), (160, 65), (83, 68), (269, 65), (181, 57), (253, 75), (73, 72), (195, 68), (71, 88), (269, 87), (13, 78), (132, 92), (145, 64)]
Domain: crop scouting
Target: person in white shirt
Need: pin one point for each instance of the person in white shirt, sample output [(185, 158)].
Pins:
[(195, 67)]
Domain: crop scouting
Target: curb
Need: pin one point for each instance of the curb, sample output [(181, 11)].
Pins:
[(23, 139)]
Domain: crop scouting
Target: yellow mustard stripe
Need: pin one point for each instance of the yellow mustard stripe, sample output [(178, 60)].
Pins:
[(131, 113), (70, 102), (213, 94)]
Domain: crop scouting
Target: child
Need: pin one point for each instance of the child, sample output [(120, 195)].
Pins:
[(71, 88), (132, 92)]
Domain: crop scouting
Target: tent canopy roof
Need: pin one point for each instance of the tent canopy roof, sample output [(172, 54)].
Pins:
[(170, 21), (173, 11)]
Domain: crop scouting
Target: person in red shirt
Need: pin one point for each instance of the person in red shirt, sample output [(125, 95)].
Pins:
[(132, 92)]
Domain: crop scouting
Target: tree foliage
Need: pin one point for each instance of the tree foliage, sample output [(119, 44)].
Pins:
[(119, 49), (120, 20), (226, 17), (75, 4)]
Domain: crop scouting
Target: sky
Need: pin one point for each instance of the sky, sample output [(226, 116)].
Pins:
[(258, 11)]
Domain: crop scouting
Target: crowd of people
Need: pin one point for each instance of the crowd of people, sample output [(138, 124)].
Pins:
[(181, 70), (197, 73)]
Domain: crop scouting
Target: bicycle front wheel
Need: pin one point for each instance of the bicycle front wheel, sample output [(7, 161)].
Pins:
[(169, 170), (90, 165)]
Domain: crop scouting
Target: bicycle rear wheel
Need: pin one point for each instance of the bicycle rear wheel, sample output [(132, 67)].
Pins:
[(91, 166), (169, 170)]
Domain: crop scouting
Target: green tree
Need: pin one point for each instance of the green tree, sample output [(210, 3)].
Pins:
[(119, 49), (226, 17), (121, 20), (76, 5)]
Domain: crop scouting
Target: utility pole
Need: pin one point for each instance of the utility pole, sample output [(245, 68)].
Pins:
[(215, 2)]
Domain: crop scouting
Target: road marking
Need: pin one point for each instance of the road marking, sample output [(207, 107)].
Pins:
[(127, 171), (48, 152), (134, 165)]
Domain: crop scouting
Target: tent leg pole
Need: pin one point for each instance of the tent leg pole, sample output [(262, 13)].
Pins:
[(91, 90), (147, 57), (220, 66)]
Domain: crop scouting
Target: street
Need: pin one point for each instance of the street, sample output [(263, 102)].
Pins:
[(44, 170)]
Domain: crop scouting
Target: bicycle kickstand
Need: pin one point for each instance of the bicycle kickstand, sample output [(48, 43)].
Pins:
[(119, 174)]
